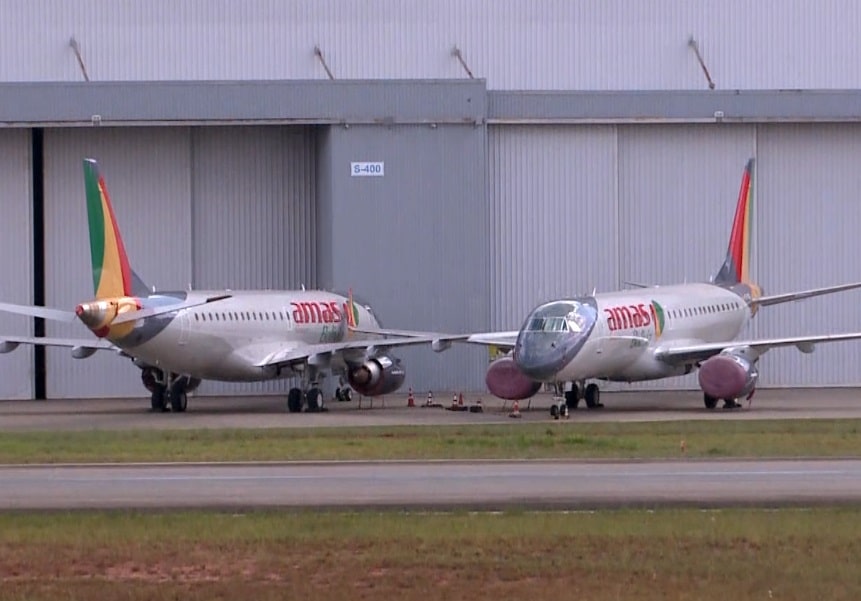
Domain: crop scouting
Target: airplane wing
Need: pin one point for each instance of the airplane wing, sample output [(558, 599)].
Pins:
[(776, 299), (321, 354), (499, 339), (691, 353), (81, 348)]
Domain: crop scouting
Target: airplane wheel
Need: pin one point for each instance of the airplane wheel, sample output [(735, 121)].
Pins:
[(294, 400), (157, 400), (179, 401), (709, 401), (554, 411), (731, 404), (572, 397), (312, 399), (593, 396)]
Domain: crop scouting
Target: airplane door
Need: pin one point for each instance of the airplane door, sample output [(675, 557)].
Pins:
[(183, 327), (288, 319)]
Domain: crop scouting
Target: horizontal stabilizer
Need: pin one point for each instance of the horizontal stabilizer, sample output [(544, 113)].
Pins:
[(764, 301), (153, 311), (80, 348), (43, 312)]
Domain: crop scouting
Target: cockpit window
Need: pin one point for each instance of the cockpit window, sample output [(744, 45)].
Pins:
[(549, 324)]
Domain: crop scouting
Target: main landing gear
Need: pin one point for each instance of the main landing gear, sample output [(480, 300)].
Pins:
[(711, 402), (310, 397), (591, 394), (167, 390)]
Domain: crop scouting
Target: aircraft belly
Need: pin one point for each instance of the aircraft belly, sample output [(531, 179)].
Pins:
[(205, 357)]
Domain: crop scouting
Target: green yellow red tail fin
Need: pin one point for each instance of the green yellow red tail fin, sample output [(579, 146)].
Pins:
[(112, 274), (736, 267)]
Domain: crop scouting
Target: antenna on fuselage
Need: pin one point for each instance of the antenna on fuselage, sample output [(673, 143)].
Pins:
[(303, 287)]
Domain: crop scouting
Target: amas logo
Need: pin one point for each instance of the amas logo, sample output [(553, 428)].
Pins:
[(627, 317), (316, 312)]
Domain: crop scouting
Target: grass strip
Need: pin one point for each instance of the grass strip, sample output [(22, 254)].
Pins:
[(664, 554), (726, 438)]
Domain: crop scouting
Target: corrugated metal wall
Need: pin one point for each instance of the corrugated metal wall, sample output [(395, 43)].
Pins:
[(413, 242), (514, 44), (16, 258), (253, 215), (809, 223), (553, 213), (678, 186), (147, 171)]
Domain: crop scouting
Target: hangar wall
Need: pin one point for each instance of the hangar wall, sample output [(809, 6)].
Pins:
[(577, 207), (220, 207), (16, 258), (413, 242), (513, 44)]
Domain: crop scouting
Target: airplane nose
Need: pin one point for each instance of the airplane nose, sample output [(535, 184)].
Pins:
[(540, 355)]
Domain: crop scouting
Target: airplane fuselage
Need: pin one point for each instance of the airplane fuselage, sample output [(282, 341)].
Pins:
[(626, 328), (224, 340)]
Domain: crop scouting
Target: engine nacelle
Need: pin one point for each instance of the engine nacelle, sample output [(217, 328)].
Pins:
[(377, 376), (505, 380), (729, 375)]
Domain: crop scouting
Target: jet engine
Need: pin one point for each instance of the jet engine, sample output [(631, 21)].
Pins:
[(730, 375), (505, 380), (376, 376)]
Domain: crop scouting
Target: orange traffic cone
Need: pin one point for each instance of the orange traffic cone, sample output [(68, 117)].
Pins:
[(515, 410), (454, 402), (429, 402), (411, 402)]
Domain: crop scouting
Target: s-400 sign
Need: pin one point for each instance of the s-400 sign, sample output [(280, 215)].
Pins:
[(367, 168)]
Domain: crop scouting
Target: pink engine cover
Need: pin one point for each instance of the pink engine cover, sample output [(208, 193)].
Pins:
[(722, 378), (506, 381)]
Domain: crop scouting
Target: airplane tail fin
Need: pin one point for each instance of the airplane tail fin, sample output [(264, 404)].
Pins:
[(736, 267), (112, 275)]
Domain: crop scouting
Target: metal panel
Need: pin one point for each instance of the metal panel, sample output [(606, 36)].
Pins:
[(241, 102), (253, 215), (553, 201), (808, 183), (16, 259), (413, 242), (678, 187), (147, 174), (515, 44)]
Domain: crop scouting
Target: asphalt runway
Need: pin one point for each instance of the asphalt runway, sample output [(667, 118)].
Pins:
[(482, 485), (270, 412)]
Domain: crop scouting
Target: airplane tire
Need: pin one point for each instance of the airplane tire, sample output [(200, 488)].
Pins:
[(554, 411), (179, 401), (311, 398), (157, 400), (593, 396), (709, 401), (572, 398), (294, 400)]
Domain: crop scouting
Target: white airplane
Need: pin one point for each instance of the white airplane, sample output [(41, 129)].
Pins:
[(180, 338), (646, 333)]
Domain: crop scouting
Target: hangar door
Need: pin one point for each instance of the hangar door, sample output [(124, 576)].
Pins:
[(219, 207), (253, 216), (16, 264), (147, 172)]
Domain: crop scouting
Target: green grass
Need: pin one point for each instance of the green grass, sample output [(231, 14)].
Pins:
[(749, 438), (667, 554)]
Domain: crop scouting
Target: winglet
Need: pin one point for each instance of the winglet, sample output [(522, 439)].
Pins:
[(736, 267)]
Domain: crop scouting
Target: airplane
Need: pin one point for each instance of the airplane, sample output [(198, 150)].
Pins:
[(179, 339), (645, 333)]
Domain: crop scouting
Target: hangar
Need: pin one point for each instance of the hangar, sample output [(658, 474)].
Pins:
[(529, 151)]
